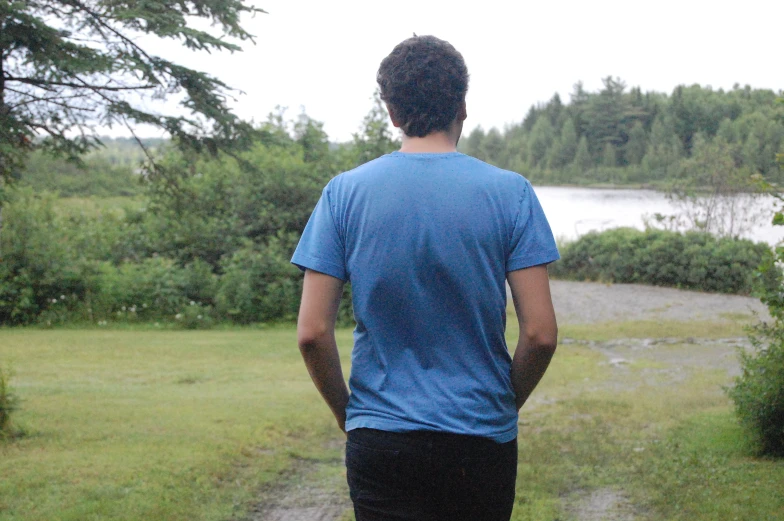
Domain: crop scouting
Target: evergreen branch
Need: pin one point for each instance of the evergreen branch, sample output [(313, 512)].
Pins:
[(56, 100), (83, 85)]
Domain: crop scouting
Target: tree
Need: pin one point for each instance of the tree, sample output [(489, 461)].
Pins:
[(492, 148), (68, 66), (582, 158), (635, 147), (608, 156), (542, 136), (606, 115), (472, 145), (661, 159), (714, 195), (375, 137), (564, 147), (311, 137)]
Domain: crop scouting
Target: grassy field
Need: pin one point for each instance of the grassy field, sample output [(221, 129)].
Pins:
[(155, 425), (169, 425)]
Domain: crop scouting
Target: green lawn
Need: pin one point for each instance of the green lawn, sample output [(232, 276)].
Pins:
[(155, 425), (172, 425)]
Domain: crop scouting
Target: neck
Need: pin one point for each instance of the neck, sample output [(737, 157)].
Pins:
[(433, 143)]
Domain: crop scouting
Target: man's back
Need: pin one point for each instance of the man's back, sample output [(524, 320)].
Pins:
[(426, 236), (427, 240)]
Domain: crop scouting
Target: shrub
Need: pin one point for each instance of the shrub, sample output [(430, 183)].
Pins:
[(691, 260), (195, 316), (8, 403), (40, 266), (154, 288), (759, 392), (260, 284)]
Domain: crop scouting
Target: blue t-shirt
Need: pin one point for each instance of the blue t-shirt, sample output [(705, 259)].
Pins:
[(426, 241)]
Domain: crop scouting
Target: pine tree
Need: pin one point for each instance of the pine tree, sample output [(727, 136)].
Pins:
[(609, 159), (539, 143), (473, 143), (492, 149), (636, 145), (752, 153), (568, 142), (605, 116), (67, 66), (582, 158), (375, 137)]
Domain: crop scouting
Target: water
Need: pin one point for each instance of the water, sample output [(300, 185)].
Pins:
[(572, 212)]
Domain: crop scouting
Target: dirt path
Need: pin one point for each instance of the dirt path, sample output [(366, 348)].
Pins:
[(311, 491), (316, 491)]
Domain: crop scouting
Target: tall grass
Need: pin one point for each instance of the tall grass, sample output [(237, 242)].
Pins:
[(8, 402)]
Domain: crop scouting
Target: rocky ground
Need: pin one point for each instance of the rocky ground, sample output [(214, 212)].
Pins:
[(591, 302)]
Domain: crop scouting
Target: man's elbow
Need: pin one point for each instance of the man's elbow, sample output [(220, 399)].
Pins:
[(543, 340), (312, 336)]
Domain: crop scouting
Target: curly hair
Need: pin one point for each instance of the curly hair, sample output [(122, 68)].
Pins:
[(424, 81)]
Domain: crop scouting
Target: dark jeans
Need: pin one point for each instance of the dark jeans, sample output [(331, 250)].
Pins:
[(427, 476)]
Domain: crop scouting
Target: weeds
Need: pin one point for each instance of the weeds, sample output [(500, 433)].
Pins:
[(8, 403)]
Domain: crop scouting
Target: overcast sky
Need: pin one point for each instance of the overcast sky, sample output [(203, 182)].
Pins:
[(323, 56)]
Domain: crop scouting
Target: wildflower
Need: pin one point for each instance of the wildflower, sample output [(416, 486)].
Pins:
[(123, 308), (178, 316), (198, 317), (133, 309), (193, 303), (62, 297)]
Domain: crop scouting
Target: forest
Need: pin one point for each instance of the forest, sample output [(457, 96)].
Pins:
[(626, 136)]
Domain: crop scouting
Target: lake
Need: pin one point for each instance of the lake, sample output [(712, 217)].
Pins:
[(573, 212)]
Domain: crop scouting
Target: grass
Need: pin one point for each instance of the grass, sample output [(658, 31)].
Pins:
[(155, 425), (138, 424), (729, 328)]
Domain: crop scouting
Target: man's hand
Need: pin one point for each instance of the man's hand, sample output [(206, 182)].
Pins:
[(538, 329), (316, 338)]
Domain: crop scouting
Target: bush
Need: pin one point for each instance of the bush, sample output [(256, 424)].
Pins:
[(8, 403), (759, 392), (155, 288), (96, 176), (260, 284), (41, 268), (691, 260)]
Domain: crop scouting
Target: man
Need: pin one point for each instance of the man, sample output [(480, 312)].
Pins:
[(428, 236)]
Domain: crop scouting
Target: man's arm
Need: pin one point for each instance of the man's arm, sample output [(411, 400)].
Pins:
[(538, 329), (316, 338)]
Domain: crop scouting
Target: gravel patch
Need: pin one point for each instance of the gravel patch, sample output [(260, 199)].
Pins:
[(600, 505), (591, 302)]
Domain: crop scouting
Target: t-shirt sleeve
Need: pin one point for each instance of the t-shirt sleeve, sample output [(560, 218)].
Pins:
[(532, 241), (321, 248)]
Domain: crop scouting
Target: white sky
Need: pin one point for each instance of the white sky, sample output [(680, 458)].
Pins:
[(323, 56)]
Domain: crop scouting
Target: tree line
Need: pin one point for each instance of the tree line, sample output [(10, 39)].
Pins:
[(619, 135)]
